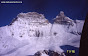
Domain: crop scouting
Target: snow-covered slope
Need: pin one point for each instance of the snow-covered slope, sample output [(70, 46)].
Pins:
[(31, 32)]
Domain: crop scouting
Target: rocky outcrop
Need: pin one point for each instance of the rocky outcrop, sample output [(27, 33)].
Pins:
[(49, 53)]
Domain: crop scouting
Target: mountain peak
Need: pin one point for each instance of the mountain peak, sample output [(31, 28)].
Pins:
[(30, 17), (31, 14), (62, 19), (61, 14)]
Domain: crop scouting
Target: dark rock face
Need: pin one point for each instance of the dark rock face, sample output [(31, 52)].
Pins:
[(49, 53), (52, 53), (37, 54), (15, 19)]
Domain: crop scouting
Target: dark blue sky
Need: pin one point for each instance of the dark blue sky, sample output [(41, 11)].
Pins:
[(75, 9)]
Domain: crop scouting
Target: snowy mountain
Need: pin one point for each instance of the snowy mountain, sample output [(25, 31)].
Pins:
[(31, 33)]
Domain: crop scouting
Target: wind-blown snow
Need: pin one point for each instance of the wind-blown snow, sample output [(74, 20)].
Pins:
[(31, 32)]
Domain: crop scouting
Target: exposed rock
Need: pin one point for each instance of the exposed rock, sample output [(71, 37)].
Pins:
[(31, 17), (49, 53), (62, 19)]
